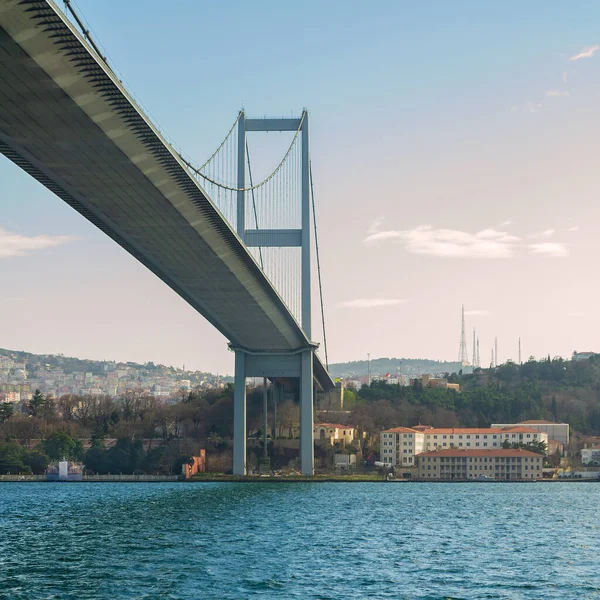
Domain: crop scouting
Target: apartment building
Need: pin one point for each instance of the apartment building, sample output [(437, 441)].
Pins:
[(479, 464), (554, 431), (399, 446)]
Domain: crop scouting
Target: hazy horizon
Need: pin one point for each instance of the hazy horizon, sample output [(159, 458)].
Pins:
[(453, 161)]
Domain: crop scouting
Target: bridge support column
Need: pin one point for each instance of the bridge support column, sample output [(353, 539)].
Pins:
[(307, 443), (239, 415)]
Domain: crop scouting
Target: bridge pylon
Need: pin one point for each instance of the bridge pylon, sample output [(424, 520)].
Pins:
[(298, 364)]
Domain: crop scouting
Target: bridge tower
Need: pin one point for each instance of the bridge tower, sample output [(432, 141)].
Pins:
[(276, 365)]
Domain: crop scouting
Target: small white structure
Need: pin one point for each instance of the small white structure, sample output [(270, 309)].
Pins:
[(344, 461), (591, 456)]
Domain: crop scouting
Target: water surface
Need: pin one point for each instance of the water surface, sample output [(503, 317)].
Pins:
[(323, 541)]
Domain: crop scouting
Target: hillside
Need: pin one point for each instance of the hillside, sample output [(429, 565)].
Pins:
[(554, 389), (403, 366), (96, 367)]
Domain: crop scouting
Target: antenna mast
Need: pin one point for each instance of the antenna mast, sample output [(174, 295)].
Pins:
[(495, 351), (463, 357)]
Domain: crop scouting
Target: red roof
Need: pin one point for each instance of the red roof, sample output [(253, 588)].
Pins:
[(400, 430), (460, 430), (478, 452), (464, 430), (520, 430), (422, 427)]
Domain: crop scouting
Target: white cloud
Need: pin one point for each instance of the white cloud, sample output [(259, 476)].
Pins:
[(543, 234), (13, 244), (574, 228), (452, 243), (557, 93), (505, 223), (586, 52), (374, 227), (370, 302), (476, 313), (549, 249), (574, 314), (528, 107)]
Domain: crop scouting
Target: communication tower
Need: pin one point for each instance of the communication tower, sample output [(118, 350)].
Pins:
[(463, 357)]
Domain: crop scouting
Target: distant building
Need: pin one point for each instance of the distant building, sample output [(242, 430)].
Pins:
[(344, 461), (14, 397), (583, 355), (196, 464), (334, 432), (555, 446), (400, 445), (438, 382), (591, 456), (555, 431), (483, 463), (332, 399)]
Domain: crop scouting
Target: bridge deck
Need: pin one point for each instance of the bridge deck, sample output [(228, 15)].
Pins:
[(68, 122)]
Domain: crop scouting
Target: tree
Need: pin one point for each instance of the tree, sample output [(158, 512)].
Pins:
[(36, 404), (6, 411), (59, 445), (48, 409)]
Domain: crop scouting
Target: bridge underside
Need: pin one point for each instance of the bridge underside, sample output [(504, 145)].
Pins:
[(66, 120)]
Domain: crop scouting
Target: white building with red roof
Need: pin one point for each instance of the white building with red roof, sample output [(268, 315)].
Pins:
[(555, 431), (400, 445), (463, 464)]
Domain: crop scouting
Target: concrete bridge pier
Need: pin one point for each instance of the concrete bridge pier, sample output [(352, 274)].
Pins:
[(294, 365)]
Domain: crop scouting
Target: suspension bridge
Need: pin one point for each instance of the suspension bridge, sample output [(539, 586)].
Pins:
[(236, 249)]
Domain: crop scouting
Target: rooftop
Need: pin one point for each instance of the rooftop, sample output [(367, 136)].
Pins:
[(401, 430), (479, 452)]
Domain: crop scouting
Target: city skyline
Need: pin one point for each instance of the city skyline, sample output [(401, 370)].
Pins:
[(479, 183)]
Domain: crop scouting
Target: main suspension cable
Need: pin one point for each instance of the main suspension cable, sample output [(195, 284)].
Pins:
[(252, 187), (254, 202), (219, 148), (312, 193)]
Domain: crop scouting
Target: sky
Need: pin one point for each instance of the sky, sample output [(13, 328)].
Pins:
[(454, 151)]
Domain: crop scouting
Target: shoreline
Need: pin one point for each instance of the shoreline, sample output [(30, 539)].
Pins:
[(267, 479)]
